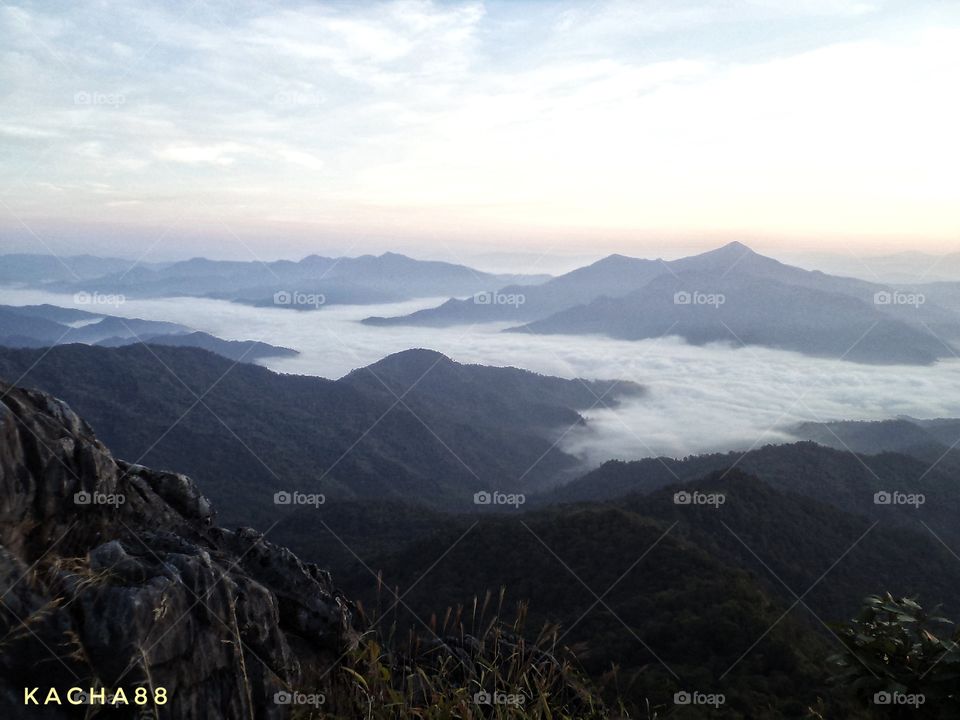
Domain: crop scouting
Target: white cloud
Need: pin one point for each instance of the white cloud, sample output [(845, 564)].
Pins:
[(30, 133), (633, 116), (216, 154), (700, 399)]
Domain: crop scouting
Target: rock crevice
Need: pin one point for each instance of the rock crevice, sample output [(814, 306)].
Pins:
[(116, 575)]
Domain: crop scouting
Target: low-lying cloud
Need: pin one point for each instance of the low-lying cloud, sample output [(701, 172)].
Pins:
[(700, 399)]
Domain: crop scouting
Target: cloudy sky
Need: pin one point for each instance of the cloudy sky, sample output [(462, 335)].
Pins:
[(278, 129)]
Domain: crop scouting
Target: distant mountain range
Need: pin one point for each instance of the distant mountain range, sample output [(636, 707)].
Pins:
[(905, 268), (311, 283), (33, 269), (731, 295), (415, 426), (929, 440), (615, 274), (36, 326)]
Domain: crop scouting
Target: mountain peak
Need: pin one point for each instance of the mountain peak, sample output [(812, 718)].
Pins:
[(729, 255), (735, 247), (615, 259), (417, 353), (415, 360)]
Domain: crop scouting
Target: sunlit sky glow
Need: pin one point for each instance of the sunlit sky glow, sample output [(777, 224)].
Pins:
[(286, 128)]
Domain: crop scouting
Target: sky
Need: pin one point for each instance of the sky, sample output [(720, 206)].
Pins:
[(456, 129)]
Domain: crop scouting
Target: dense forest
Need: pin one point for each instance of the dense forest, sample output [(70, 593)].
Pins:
[(716, 575)]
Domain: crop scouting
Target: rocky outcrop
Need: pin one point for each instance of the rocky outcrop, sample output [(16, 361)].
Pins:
[(114, 575)]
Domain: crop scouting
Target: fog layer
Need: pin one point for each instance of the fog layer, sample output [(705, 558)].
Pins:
[(717, 397)]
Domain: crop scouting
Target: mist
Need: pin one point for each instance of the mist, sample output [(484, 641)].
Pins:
[(699, 399)]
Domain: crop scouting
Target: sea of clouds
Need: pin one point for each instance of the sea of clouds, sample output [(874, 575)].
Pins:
[(699, 399)]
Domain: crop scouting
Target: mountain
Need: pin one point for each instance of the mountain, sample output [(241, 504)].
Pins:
[(53, 313), (677, 594), (731, 294), (658, 588), (237, 350), (943, 294), (786, 537), (30, 269), (120, 591), (929, 440), (669, 619), (110, 327), (746, 309), (149, 590), (414, 426), (514, 303), (842, 479), (905, 268), (32, 326), (341, 534), (20, 330), (305, 285)]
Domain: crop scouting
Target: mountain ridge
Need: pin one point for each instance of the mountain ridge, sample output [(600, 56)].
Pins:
[(32, 326), (748, 298), (381, 433), (365, 279)]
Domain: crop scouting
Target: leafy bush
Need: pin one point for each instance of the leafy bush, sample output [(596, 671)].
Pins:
[(901, 660)]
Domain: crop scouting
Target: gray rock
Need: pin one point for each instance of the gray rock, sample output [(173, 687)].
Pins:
[(146, 591)]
